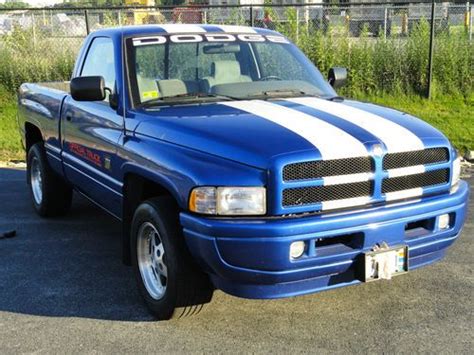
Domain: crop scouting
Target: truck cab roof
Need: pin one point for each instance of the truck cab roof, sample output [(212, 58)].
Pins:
[(128, 31)]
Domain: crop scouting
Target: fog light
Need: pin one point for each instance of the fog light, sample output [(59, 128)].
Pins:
[(297, 249), (443, 221)]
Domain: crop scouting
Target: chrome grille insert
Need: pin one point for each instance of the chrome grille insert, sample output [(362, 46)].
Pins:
[(419, 157), (427, 179), (323, 168), (315, 194), (350, 182)]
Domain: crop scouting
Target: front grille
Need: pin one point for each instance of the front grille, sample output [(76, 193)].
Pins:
[(418, 157), (302, 184), (314, 194), (431, 178), (318, 169)]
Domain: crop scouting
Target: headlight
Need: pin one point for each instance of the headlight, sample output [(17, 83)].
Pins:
[(456, 171), (235, 201)]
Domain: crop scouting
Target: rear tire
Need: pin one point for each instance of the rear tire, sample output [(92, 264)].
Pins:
[(171, 283), (50, 194)]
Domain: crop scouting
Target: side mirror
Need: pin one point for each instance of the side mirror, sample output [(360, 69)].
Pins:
[(88, 88), (337, 77)]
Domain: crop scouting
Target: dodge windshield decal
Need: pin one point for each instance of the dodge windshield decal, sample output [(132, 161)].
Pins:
[(214, 37)]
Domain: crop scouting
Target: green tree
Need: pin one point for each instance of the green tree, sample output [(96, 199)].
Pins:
[(14, 5)]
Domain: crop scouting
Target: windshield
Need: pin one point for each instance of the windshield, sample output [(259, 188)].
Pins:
[(220, 66)]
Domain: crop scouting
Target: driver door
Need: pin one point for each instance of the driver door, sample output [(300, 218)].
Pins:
[(91, 132)]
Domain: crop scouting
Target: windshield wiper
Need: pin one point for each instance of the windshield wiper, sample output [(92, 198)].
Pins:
[(270, 94), (335, 98), (184, 98), (292, 93)]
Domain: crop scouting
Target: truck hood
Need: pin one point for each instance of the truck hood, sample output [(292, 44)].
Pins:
[(257, 132)]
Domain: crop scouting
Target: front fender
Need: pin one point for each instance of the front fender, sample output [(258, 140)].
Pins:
[(152, 175), (180, 169)]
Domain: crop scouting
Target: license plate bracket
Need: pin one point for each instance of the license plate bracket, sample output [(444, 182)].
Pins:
[(383, 263)]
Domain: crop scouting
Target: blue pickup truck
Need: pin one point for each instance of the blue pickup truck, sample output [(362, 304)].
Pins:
[(232, 163)]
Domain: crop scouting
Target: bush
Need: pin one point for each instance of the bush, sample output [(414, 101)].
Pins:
[(30, 56), (393, 65)]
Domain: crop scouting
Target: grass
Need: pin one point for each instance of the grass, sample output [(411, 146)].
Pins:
[(10, 145), (389, 72), (452, 115), (393, 65)]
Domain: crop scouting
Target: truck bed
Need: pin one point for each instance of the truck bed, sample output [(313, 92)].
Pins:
[(62, 86), (42, 103)]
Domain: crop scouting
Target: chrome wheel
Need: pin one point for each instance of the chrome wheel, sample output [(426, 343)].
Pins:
[(36, 181), (151, 260)]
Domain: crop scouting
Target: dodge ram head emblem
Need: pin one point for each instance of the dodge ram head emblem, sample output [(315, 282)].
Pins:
[(377, 150)]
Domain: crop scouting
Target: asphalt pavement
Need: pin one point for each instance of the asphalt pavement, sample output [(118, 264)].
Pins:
[(64, 289)]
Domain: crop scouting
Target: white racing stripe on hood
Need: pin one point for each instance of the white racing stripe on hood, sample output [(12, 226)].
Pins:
[(395, 137), (235, 29), (332, 142), (182, 28)]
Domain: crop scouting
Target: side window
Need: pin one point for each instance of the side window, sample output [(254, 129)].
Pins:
[(100, 61)]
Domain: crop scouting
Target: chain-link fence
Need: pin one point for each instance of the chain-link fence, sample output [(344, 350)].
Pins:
[(385, 46)]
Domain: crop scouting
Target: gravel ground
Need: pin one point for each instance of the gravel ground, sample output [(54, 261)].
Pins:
[(63, 289)]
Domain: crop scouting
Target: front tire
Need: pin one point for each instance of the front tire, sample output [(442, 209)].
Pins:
[(170, 282), (50, 194)]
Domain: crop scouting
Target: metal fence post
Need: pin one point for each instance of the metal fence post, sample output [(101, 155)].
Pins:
[(430, 60), (306, 18), (33, 26), (251, 16), (470, 22), (467, 18), (405, 23), (86, 17), (297, 24), (385, 23)]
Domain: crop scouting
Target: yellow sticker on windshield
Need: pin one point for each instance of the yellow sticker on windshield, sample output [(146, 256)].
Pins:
[(150, 94)]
